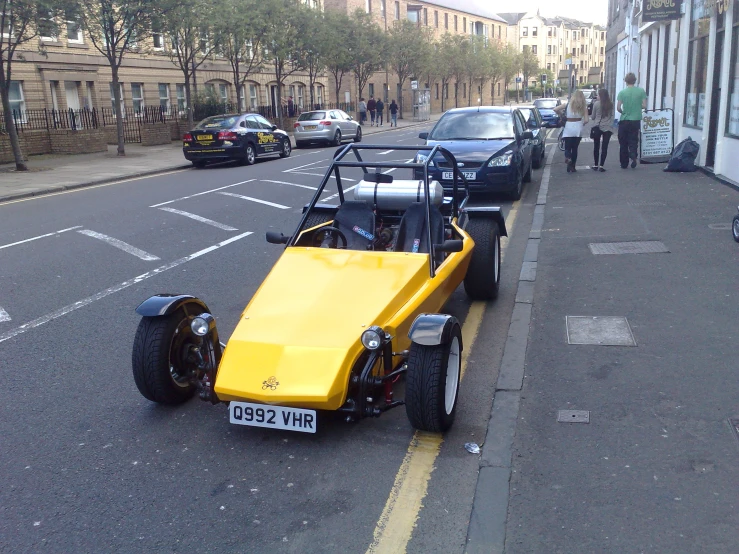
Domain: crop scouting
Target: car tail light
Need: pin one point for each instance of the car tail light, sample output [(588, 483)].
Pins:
[(227, 135), (296, 125), (326, 123), (187, 137)]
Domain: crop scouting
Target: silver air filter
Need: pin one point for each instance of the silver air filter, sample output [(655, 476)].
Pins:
[(397, 195)]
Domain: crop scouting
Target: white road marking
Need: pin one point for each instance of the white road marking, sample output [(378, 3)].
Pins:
[(121, 245), (40, 237), (201, 219), (337, 194), (4, 316), (290, 184), (300, 166), (112, 290), (280, 206), (200, 194), (385, 152)]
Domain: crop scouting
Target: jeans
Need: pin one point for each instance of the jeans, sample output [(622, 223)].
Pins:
[(393, 119), (379, 118), (362, 117), (372, 116), (571, 146), (628, 141), (597, 149)]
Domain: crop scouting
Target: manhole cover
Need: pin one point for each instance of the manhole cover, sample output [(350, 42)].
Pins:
[(634, 247), (573, 416), (599, 330), (720, 226)]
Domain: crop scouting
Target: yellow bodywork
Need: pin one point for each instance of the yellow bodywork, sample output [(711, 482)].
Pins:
[(299, 337)]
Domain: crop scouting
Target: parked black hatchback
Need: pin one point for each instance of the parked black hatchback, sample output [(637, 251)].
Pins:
[(241, 137)]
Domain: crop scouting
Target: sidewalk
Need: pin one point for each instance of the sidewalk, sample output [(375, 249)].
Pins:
[(641, 345), (50, 173)]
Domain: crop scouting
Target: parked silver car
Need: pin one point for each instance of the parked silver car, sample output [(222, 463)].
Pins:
[(331, 126)]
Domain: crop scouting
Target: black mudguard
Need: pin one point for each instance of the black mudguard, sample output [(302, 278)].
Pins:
[(432, 329), (165, 304), (492, 212)]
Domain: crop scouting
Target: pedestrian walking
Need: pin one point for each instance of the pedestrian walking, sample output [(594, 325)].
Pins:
[(290, 107), (372, 109), (393, 109), (601, 132), (362, 111), (380, 107), (631, 101), (577, 115)]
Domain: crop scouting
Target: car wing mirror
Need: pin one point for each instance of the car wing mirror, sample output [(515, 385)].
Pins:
[(527, 135), (449, 246), (423, 135), (274, 127), (276, 238)]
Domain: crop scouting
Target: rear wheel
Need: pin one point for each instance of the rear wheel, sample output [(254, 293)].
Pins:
[(250, 155), (515, 194), (286, 148), (337, 138), (358, 136), (199, 164), (527, 175), (735, 228), (159, 348), (432, 383), (482, 281)]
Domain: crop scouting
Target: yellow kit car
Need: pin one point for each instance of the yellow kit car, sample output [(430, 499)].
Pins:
[(399, 249)]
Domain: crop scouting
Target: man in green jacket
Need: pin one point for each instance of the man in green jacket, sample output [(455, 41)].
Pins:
[(631, 101)]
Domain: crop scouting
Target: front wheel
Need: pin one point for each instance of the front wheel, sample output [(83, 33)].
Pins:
[(735, 228), (250, 155), (527, 175), (159, 370), (515, 194), (358, 136), (432, 383), (482, 281), (286, 148)]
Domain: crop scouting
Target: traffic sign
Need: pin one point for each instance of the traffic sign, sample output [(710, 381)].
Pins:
[(519, 79), (414, 85)]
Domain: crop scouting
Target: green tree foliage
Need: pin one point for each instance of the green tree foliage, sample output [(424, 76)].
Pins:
[(409, 48), (314, 53), (367, 48), (446, 63), (511, 65), (335, 38), (529, 65)]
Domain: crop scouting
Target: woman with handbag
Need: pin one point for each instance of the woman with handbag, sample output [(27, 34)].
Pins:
[(577, 115), (602, 129)]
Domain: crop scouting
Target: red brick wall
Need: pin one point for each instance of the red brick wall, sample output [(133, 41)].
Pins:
[(84, 141), (32, 143), (153, 134)]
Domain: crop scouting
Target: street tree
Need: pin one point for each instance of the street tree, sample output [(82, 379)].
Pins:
[(115, 28), (239, 33), (367, 47), (460, 51), (191, 43), (494, 66), (409, 48), (445, 64), (21, 21), (337, 56), (529, 65), (314, 53), (475, 67), (283, 44), (511, 65)]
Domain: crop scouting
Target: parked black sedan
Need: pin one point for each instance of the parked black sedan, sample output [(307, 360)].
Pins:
[(535, 124), (546, 108), (492, 147), (241, 137)]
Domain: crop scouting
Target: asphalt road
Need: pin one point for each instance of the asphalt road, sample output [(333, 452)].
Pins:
[(88, 465)]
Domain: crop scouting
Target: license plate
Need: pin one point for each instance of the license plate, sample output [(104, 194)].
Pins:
[(273, 417), (205, 137), (469, 175), (310, 127)]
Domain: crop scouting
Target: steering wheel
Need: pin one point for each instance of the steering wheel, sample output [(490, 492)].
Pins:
[(329, 237)]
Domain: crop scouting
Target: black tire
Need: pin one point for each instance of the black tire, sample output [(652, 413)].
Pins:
[(250, 154), (153, 346), (527, 175), (358, 136), (516, 193), (482, 281), (735, 228), (199, 164), (287, 148), (317, 218), (429, 367), (337, 138)]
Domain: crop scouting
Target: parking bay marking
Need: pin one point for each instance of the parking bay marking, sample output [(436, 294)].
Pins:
[(40, 237), (116, 288), (200, 194), (201, 219), (398, 519), (290, 184), (4, 316), (120, 245), (250, 199)]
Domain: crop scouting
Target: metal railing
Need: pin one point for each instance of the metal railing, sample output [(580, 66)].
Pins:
[(49, 120)]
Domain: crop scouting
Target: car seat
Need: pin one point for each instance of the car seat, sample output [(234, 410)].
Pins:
[(357, 221), (412, 235)]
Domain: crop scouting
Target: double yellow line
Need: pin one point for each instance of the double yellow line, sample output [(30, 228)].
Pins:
[(398, 519)]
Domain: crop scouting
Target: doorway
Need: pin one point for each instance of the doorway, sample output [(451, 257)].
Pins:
[(715, 101)]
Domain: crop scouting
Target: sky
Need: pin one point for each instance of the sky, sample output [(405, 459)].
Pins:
[(591, 11)]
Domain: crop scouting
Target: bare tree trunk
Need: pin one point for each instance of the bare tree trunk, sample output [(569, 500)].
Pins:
[(118, 112), (20, 164), (278, 107), (237, 84), (188, 101)]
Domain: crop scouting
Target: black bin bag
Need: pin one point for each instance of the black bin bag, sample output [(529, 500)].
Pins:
[(683, 156)]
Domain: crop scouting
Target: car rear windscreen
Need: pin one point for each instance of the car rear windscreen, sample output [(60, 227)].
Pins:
[(218, 122), (312, 116), (545, 104)]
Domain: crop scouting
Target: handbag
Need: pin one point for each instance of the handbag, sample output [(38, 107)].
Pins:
[(595, 131)]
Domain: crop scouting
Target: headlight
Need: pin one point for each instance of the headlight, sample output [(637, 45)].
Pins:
[(502, 160), (372, 338), (200, 325), (421, 158)]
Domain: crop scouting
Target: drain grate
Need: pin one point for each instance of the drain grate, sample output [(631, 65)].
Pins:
[(633, 247), (599, 330), (573, 416)]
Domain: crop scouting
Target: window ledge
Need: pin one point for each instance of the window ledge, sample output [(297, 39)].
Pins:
[(79, 45), (50, 42)]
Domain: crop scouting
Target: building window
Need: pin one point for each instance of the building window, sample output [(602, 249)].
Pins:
[(499, 31), (549, 49), (112, 99), (525, 32), (158, 39), (455, 24), (464, 24), (695, 97), (446, 21), (17, 100), (549, 32), (446, 91), (382, 9), (74, 30), (397, 10), (371, 89), (732, 118), (46, 28), (368, 6), (498, 89), (181, 99), (253, 96), (464, 90), (437, 91), (164, 97), (137, 96), (436, 19), (535, 31), (319, 95), (534, 49)]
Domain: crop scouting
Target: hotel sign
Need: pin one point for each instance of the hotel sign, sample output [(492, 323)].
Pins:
[(660, 10)]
